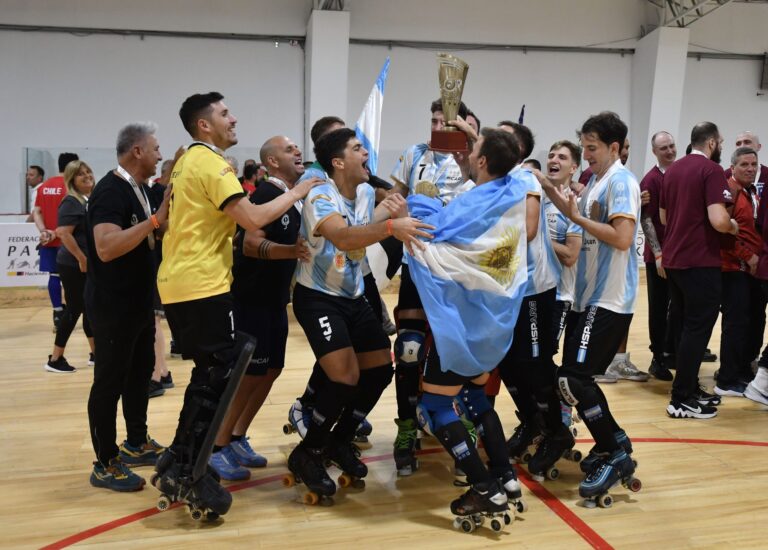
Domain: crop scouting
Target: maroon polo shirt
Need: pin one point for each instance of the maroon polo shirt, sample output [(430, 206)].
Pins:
[(652, 183), (690, 185)]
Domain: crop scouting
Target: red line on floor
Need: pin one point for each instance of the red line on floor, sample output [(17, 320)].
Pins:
[(557, 506)]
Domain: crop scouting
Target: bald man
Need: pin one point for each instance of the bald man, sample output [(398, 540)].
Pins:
[(264, 262)]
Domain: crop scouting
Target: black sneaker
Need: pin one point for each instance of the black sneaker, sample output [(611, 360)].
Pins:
[(708, 357), (706, 398), (690, 408), (659, 371), (175, 351), (155, 389), (167, 381), (59, 365)]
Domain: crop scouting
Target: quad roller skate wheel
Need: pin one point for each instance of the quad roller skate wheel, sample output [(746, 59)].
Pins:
[(526, 457), (288, 429), (163, 503), (196, 513), (496, 525), (289, 480), (346, 480), (634, 484), (553, 474), (464, 524), (507, 519), (521, 506), (574, 431), (605, 501), (574, 456), (311, 498)]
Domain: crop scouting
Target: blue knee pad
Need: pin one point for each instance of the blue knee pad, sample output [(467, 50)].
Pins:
[(435, 411), (473, 401), (409, 347)]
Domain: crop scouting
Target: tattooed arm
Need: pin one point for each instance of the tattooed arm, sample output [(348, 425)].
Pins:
[(255, 245)]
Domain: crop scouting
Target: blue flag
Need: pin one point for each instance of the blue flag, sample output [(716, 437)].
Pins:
[(472, 275), (368, 127)]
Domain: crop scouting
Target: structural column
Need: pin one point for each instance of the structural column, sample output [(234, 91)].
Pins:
[(658, 76), (326, 69)]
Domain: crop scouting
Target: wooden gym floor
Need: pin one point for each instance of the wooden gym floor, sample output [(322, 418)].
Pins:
[(704, 481)]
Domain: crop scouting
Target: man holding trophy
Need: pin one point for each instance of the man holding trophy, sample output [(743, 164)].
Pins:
[(425, 169)]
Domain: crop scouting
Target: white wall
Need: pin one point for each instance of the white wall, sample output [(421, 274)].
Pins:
[(557, 88), (724, 92), (66, 91)]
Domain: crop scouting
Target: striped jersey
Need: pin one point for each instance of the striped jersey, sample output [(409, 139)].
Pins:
[(426, 172), (607, 277), (543, 265), (329, 269), (560, 228)]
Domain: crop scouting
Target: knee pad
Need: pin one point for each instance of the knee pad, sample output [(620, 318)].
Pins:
[(436, 411), (473, 401), (570, 390), (223, 359), (409, 347)]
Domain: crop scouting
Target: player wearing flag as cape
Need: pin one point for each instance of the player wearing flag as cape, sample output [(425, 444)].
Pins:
[(419, 171), (605, 296), (338, 222), (471, 279)]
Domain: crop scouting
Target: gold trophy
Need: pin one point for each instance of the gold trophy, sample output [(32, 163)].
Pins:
[(452, 73)]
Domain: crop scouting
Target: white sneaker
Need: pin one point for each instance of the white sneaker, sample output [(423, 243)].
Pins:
[(626, 370)]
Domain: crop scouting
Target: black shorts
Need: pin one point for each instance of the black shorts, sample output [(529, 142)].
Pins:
[(596, 337), (433, 374), (202, 327), (270, 328), (559, 319), (408, 298), (332, 323), (533, 338)]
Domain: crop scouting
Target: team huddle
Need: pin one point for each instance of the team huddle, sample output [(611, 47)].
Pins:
[(566, 271)]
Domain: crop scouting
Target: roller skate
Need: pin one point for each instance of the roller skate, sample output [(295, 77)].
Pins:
[(405, 447), (205, 498), (346, 457), (609, 471), (483, 500), (306, 466), (299, 417), (522, 438), (552, 448), (511, 485), (589, 462), (363, 431)]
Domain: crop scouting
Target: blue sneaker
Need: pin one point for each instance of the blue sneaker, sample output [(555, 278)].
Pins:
[(117, 477), (736, 389), (144, 455), (364, 428), (245, 455), (226, 465), (607, 473)]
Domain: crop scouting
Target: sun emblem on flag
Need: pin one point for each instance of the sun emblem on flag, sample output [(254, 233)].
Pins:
[(501, 262)]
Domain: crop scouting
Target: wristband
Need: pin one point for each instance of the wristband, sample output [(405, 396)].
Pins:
[(389, 227), (154, 221)]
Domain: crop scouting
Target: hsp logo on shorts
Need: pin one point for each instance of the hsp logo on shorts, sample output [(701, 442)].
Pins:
[(581, 356), (533, 319)]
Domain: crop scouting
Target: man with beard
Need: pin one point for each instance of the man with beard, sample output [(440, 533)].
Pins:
[(263, 267), (207, 201), (693, 207)]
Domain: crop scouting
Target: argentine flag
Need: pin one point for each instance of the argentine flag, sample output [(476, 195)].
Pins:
[(472, 275), (368, 127)]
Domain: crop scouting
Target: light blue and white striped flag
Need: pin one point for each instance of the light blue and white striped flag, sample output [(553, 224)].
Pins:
[(472, 275), (368, 127)]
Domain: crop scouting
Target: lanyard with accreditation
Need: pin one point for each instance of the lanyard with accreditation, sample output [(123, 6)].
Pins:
[(141, 195)]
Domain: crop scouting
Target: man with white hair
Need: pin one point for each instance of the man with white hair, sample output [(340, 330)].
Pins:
[(119, 294)]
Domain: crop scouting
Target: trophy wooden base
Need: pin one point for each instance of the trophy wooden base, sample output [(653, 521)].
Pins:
[(449, 142)]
